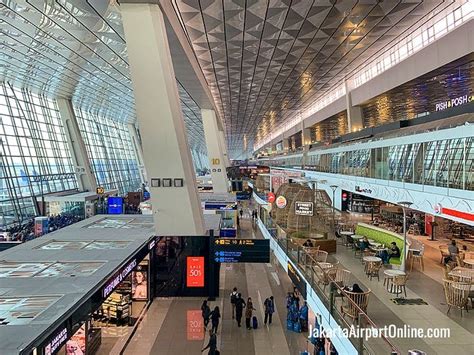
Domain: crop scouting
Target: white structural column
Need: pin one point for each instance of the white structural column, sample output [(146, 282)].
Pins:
[(176, 210), (85, 177), (223, 147), (138, 150), (286, 144), (354, 113), (214, 152)]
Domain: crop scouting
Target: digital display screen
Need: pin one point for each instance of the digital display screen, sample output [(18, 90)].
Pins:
[(297, 280), (115, 205), (241, 250), (195, 271)]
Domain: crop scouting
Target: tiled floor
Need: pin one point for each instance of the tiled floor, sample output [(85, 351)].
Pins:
[(165, 328), (425, 285)]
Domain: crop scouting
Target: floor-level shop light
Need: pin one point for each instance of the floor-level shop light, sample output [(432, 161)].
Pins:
[(404, 205)]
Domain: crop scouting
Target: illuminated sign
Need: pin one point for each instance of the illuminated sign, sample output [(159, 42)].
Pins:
[(241, 250), (297, 280), (281, 202), (100, 190), (303, 208), (271, 197), (194, 325), (55, 344), (458, 101), (195, 271), (118, 278), (115, 205)]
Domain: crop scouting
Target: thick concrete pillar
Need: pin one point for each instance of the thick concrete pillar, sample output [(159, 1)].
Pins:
[(223, 146), (176, 210), (354, 113), (85, 177), (138, 150), (214, 152)]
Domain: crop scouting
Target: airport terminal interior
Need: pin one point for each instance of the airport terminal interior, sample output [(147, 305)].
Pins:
[(236, 177)]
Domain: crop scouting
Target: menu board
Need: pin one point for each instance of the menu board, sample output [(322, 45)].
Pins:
[(241, 250)]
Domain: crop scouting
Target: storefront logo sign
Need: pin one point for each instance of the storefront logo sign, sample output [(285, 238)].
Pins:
[(363, 190), (281, 202), (58, 341), (271, 197), (118, 278), (458, 101), (304, 208), (438, 208)]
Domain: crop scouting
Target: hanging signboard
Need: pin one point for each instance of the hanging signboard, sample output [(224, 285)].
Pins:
[(303, 208), (241, 250)]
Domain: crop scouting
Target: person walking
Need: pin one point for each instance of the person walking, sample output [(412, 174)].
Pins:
[(239, 308), (269, 306), (241, 212), (233, 298), (206, 313), (215, 315), (212, 345), (248, 313)]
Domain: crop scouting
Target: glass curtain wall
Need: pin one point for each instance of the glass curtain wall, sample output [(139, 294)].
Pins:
[(34, 156), (110, 151)]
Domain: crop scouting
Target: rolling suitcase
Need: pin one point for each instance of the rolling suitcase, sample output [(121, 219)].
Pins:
[(254, 322)]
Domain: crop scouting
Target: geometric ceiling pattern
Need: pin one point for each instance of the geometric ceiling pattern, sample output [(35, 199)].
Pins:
[(76, 49), (265, 59)]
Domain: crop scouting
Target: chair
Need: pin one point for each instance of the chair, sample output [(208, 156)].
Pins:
[(418, 257), (357, 249), (323, 274), (373, 268), (447, 269), (459, 261), (320, 256), (359, 299), (340, 276), (443, 249), (457, 294), (399, 282)]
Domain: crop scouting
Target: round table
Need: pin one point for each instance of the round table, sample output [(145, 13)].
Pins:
[(346, 233), (357, 237), (371, 241), (389, 275), (371, 259), (469, 262), (375, 244), (325, 266)]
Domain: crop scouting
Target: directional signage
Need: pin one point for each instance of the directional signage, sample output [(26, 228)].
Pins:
[(241, 250), (303, 208)]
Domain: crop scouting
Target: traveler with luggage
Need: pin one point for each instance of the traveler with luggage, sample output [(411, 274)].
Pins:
[(248, 312)]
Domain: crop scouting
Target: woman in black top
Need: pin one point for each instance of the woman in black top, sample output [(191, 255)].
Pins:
[(215, 315)]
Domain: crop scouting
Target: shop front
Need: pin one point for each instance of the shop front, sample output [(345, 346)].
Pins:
[(107, 317)]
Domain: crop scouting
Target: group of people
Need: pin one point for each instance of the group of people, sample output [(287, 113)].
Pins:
[(384, 254), (26, 231), (297, 317), (453, 251)]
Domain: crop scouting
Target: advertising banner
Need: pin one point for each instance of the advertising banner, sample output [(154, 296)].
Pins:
[(195, 271)]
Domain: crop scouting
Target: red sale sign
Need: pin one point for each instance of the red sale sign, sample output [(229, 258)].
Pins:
[(195, 271), (195, 326)]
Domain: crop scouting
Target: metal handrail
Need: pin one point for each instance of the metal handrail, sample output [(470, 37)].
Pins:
[(334, 287)]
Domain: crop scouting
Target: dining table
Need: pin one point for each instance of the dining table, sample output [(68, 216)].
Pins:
[(389, 274), (469, 262), (462, 272), (357, 236)]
